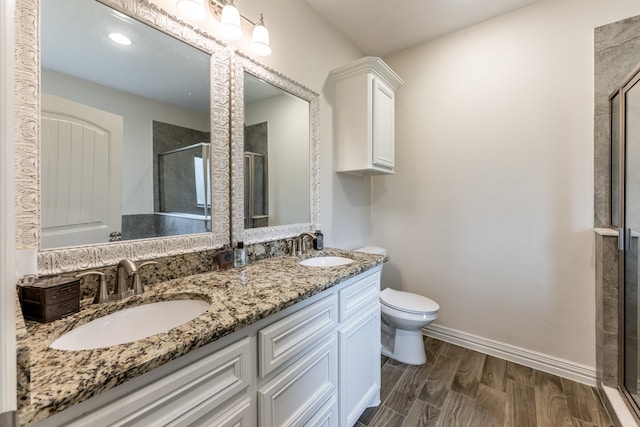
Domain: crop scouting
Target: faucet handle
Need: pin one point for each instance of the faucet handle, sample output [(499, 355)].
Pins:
[(291, 246), (102, 293), (137, 282), (147, 263)]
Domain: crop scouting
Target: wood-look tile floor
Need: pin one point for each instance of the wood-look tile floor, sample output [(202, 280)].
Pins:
[(461, 387)]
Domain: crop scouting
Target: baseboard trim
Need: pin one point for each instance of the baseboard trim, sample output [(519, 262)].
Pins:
[(543, 362)]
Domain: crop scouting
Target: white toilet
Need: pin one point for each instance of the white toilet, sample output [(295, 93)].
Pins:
[(403, 316)]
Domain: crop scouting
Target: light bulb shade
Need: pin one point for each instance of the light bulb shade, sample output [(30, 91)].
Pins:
[(260, 41), (230, 23), (192, 9)]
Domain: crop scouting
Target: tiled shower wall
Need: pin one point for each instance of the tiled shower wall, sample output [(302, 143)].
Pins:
[(607, 324), (617, 53)]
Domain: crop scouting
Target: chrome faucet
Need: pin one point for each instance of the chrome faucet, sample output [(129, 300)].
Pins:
[(126, 269), (301, 245)]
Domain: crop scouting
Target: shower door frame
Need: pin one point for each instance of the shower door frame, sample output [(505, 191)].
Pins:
[(623, 234)]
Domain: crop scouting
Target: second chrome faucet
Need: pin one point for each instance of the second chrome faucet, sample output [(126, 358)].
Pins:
[(297, 243)]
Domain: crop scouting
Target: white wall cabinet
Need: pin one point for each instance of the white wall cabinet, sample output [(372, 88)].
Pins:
[(313, 364), (365, 116)]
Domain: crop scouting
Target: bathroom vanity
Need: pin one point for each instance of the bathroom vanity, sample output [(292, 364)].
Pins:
[(281, 344)]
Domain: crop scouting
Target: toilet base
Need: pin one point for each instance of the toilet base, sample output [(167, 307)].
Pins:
[(403, 346)]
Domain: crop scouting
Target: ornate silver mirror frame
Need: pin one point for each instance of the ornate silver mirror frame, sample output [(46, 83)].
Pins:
[(27, 156), (241, 63)]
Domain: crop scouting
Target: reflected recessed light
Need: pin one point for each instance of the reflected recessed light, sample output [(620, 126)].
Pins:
[(120, 39)]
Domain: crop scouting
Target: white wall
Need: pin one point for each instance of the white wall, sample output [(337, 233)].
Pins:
[(490, 212), (139, 114)]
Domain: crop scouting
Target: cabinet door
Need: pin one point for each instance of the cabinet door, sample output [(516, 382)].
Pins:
[(383, 124), (299, 392), (327, 416), (359, 342), (239, 414)]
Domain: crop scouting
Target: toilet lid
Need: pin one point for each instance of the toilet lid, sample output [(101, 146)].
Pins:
[(407, 301)]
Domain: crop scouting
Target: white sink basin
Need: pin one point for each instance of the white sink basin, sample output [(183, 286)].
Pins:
[(131, 324), (325, 261)]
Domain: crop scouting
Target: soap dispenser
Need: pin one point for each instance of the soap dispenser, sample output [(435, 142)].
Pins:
[(318, 243), (239, 255)]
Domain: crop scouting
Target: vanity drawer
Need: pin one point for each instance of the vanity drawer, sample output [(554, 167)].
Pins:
[(211, 388), (360, 296), (294, 335)]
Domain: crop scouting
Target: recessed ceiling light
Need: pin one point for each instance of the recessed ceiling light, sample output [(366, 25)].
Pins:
[(120, 39)]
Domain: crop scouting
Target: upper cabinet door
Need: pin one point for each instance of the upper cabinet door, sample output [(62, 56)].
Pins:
[(383, 125), (365, 116)]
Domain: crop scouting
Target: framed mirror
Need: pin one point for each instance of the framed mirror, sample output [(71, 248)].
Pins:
[(274, 152), (155, 168)]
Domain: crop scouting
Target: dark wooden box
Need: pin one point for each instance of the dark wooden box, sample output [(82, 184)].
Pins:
[(49, 299)]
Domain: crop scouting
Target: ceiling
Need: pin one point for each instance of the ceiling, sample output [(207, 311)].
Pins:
[(160, 67), (74, 41), (380, 28)]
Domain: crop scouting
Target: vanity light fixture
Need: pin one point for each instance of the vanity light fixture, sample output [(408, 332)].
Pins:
[(230, 22), (120, 38), (230, 28), (260, 39), (193, 9)]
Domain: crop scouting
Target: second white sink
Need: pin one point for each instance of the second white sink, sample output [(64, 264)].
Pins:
[(326, 261), (131, 324)]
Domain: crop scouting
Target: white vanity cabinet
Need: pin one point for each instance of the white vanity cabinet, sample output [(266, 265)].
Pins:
[(359, 348), (316, 363), (365, 116)]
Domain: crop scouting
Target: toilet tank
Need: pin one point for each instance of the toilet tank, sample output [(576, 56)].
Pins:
[(373, 250)]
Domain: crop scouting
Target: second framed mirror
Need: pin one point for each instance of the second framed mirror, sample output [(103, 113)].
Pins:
[(275, 154)]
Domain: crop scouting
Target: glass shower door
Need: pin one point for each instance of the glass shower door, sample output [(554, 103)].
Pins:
[(629, 120)]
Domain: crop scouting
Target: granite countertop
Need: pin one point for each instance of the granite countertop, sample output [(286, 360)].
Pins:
[(239, 297)]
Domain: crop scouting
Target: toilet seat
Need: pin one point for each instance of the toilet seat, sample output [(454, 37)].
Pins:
[(408, 302)]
